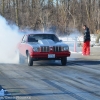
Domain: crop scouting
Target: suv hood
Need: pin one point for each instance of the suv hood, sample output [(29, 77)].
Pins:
[(46, 42)]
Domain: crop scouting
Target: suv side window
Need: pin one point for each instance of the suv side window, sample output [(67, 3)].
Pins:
[(31, 38), (24, 39)]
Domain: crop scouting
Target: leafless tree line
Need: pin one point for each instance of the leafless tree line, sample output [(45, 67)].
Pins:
[(60, 16)]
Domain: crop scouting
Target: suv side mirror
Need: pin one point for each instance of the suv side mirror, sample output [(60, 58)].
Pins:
[(23, 41)]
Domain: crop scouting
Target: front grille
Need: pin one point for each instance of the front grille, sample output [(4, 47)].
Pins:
[(57, 48), (45, 49)]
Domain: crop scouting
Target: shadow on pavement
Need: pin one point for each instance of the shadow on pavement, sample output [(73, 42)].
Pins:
[(85, 62)]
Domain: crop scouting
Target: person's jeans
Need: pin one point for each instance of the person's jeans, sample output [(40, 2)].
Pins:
[(86, 48)]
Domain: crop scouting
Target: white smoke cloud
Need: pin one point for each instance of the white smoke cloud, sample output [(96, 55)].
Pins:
[(9, 38), (72, 36)]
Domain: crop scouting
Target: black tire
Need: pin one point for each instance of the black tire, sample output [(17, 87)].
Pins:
[(29, 60), (64, 61)]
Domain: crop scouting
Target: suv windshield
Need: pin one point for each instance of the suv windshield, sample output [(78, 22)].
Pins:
[(36, 37)]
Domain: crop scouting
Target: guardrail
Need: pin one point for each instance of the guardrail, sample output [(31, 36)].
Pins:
[(75, 44)]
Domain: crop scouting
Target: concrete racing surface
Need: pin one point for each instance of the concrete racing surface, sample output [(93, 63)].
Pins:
[(48, 80)]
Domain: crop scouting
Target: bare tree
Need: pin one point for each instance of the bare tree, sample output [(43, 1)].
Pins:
[(61, 14), (3, 7), (16, 11)]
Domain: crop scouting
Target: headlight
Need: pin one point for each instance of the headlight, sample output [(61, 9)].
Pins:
[(36, 49), (66, 48)]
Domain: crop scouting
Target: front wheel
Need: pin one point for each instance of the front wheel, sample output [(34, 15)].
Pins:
[(64, 61), (29, 60)]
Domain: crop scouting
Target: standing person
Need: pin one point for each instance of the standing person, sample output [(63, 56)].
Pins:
[(86, 41)]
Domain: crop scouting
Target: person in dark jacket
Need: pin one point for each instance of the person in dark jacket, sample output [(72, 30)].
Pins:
[(86, 41)]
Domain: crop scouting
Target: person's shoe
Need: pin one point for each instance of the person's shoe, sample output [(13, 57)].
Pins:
[(87, 54), (83, 54)]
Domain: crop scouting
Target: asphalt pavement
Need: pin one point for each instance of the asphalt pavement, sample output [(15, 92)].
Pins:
[(48, 80)]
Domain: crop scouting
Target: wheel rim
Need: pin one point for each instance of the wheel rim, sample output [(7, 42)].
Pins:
[(28, 59)]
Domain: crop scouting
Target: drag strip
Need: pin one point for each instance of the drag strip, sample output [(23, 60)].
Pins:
[(78, 80)]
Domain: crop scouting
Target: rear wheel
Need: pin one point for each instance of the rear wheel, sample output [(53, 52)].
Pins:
[(29, 60), (64, 61)]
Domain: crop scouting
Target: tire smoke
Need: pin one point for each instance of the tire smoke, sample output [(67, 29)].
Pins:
[(9, 38)]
